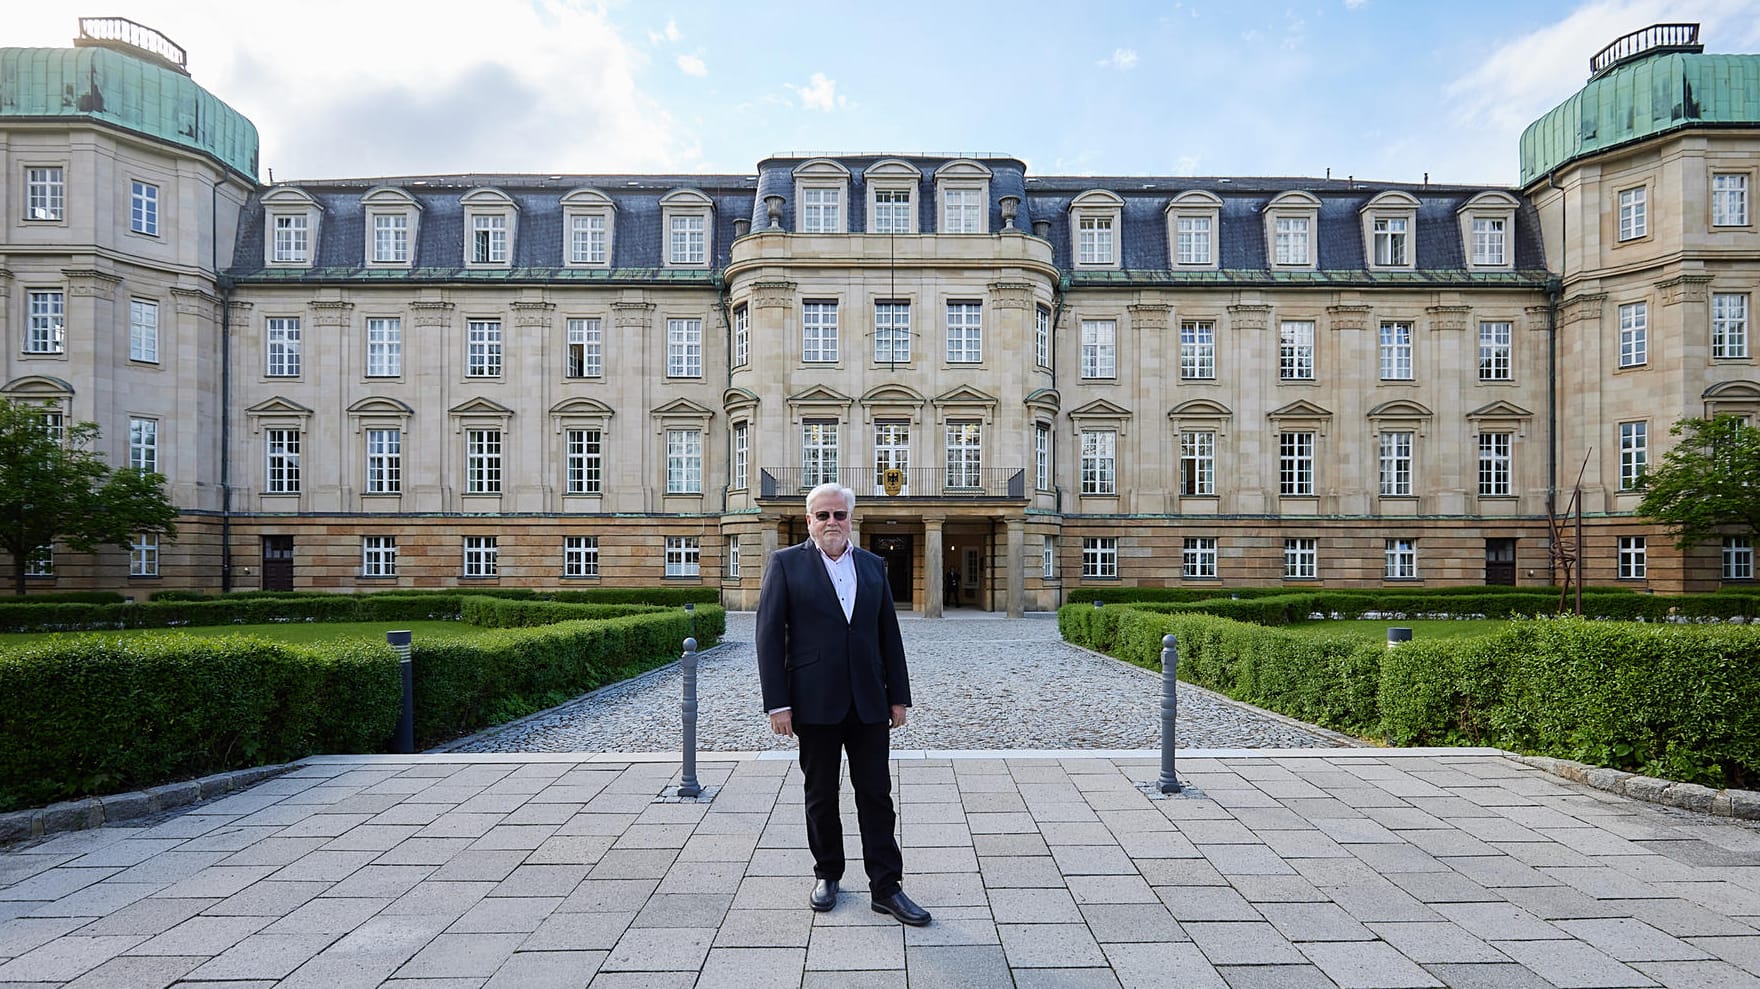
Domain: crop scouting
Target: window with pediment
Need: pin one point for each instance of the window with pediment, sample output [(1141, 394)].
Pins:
[(892, 196), (1292, 221), (491, 219), (290, 227), (1095, 228), (1390, 230), (688, 219), (588, 226), (1488, 230), (1193, 219), (392, 218), (821, 194), (962, 190)]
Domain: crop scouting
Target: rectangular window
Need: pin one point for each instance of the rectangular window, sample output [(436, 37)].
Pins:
[(384, 346), (1729, 326), (741, 452), (1295, 353), (1042, 336), (1738, 558), (586, 239), (488, 239), (481, 556), (684, 461), (1634, 454), (143, 208), (892, 449), (283, 347), (1396, 464), (1295, 464), (1729, 200), (1099, 462), (965, 332), (1633, 553), (1390, 241), (1197, 463), (818, 452), (1100, 556), (962, 216), (1401, 559), (482, 461), (1291, 240), (742, 337), (1199, 558), (1099, 348), (45, 193), (733, 557), (818, 332), (586, 348), (1489, 241), (689, 240), (390, 238), (1193, 235), (1094, 235), (892, 211), (292, 238), (584, 462), (683, 557), (684, 348), (1042, 456), (965, 454), (41, 562), (1634, 334), (143, 555), (46, 331), (54, 425), (282, 467), (892, 332), (1494, 465), (1197, 349), (378, 556), (143, 445), (1301, 559), (1048, 559), (820, 210), (1633, 218), (143, 331), (1396, 351), (482, 348), (1495, 344), (384, 461), (580, 556)]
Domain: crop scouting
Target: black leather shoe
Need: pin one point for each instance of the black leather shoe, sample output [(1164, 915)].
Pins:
[(900, 906), (824, 895)]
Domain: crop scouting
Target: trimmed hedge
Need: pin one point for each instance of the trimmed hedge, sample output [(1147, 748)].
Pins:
[(226, 611), (69, 597), (491, 612), (661, 596)]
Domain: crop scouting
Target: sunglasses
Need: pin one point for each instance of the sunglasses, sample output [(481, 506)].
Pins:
[(826, 516)]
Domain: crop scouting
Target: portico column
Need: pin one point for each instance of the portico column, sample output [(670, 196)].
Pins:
[(932, 575), (1017, 577)]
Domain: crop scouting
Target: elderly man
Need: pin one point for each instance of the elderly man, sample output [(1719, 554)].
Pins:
[(831, 664)]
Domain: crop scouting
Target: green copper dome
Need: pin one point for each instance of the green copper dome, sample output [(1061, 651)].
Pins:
[(134, 94), (1641, 99)]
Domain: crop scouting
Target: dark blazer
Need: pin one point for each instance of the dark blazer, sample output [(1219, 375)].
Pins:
[(810, 659)]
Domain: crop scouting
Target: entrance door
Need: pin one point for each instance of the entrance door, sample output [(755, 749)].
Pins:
[(277, 563), (896, 552), (1500, 562)]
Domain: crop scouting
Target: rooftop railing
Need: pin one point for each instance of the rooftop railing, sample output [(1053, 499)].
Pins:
[(958, 482), (1646, 41), (122, 31)]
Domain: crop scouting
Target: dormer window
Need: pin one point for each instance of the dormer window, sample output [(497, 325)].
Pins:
[(963, 188), (588, 216), (688, 217), (892, 196), (391, 226), (820, 187), (1192, 222), (290, 226), (1290, 222), (490, 217), (1390, 221), (1488, 224), (1094, 221)]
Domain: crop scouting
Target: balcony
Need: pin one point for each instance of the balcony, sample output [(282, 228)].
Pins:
[(1657, 39), (911, 484)]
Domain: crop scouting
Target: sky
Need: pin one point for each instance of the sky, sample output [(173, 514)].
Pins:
[(1389, 90)]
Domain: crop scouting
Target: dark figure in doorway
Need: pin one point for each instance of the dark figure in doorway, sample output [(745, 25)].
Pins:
[(950, 590)]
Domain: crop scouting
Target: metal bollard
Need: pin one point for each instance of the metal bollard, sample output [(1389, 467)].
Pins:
[(1169, 711), (405, 742), (1397, 636), (688, 786)]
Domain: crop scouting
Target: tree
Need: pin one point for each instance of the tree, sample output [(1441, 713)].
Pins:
[(1709, 483), (54, 488)]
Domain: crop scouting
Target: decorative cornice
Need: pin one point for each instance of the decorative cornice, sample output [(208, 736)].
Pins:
[(1011, 295), (428, 312), (533, 315), (1449, 317), (1148, 316), (1581, 308), (1249, 317), (89, 283), (773, 294), (631, 315), (1684, 288), (196, 302), (330, 313), (1347, 317), (5, 282)]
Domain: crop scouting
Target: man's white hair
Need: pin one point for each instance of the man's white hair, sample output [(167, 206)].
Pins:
[(832, 487)]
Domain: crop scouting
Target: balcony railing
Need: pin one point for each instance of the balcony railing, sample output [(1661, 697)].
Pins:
[(1646, 41), (121, 30), (913, 482)]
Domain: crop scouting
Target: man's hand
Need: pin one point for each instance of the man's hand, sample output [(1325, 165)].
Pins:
[(898, 717), (782, 722)]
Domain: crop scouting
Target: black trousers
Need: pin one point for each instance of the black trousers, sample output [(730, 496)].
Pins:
[(870, 776)]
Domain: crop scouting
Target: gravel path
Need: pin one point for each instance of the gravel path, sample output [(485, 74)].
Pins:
[(977, 683)]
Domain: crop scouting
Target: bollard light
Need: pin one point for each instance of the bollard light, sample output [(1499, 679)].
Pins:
[(1169, 782), (688, 786), (405, 743), (1098, 602), (1397, 636)]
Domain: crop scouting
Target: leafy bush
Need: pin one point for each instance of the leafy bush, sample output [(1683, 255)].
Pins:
[(69, 597), (500, 613)]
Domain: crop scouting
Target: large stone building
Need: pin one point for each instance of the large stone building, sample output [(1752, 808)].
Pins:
[(1036, 384)]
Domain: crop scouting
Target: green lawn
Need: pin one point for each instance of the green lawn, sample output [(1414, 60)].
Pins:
[(279, 631), (1421, 630)]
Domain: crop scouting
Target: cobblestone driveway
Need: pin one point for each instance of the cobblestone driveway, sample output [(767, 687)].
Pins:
[(977, 683)]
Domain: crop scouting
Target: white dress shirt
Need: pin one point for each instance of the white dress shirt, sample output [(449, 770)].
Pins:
[(842, 572)]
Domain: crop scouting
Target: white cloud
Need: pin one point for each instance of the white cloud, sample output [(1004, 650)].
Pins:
[(691, 65), (1122, 59), (1354, 4), (669, 34), (819, 93)]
